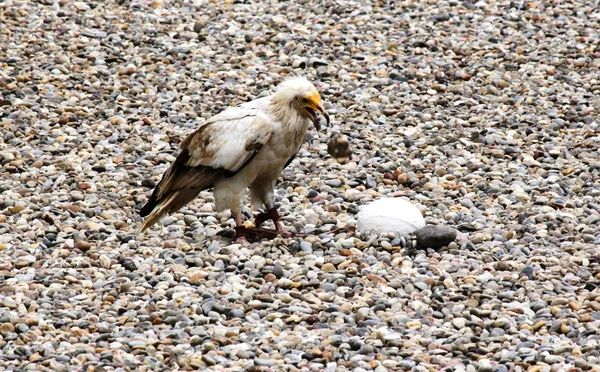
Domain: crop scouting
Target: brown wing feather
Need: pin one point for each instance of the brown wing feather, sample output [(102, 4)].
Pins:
[(179, 177), (198, 167)]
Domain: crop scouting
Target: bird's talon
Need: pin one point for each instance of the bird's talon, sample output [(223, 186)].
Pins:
[(271, 214), (240, 234)]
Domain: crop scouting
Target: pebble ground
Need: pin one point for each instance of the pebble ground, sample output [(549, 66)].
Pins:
[(483, 113)]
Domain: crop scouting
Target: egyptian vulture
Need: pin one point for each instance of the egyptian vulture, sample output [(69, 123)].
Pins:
[(244, 146)]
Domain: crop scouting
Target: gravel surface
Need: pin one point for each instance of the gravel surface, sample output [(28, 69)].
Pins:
[(483, 114)]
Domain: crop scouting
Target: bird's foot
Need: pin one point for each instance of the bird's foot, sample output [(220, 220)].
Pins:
[(271, 214), (240, 234), (279, 230), (245, 234)]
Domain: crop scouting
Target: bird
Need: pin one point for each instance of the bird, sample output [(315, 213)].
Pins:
[(246, 146)]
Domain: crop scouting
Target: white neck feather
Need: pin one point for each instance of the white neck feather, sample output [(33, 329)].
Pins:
[(286, 113)]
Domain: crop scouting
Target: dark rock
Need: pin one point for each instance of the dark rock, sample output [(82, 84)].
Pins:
[(148, 183), (432, 236), (198, 27), (312, 194), (127, 238), (319, 62), (355, 344), (236, 313), (442, 17), (527, 271), (128, 264), (278, 270), (371, 183)]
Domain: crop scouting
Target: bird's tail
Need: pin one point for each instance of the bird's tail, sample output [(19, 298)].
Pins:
[(155, 209)]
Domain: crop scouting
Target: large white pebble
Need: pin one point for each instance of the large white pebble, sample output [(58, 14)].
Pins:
[(390, 215)]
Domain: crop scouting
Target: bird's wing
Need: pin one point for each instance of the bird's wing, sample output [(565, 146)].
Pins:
[(220, 147)]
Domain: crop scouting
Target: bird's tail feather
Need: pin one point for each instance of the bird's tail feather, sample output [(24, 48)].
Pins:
[(167, 205)]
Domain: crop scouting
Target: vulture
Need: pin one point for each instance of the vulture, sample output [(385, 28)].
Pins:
[(247, 146)]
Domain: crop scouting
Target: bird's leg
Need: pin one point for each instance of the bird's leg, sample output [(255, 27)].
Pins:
[(270, 214), (273, 215), (240, 229), (279, 226), (238, 220)]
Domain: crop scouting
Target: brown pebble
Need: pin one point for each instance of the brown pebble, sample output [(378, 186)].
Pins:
[(67, 118), (402, 178), (574, 305), (503, 266), (471, 302), (170, 244), (538, 325), (83, 245), (335, 208), (428, 281), (16, 209), (376, 278), (373, 364), (6, 328), (344, 264), (327, 267), (31, 321), (109, 299), (502, 83), (345, 252)]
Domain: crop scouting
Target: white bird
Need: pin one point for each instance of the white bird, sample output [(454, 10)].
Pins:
[(244, 146)]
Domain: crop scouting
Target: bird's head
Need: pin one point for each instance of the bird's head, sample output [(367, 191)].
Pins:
[(303, 97)]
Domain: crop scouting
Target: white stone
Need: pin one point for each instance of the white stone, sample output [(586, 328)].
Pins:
[(390, 215), (81, 6)]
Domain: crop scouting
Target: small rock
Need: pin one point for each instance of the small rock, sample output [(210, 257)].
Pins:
[(278, 270), (306, 247), (105, 261), (527, 271), (432, 236), (459, 323), (9, 302), (24, 261), (83, 245), (6, 328), (328, 267), (312, 194), (334, 183)]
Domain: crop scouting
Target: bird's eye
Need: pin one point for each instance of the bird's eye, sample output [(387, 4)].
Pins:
[(305, 100)]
